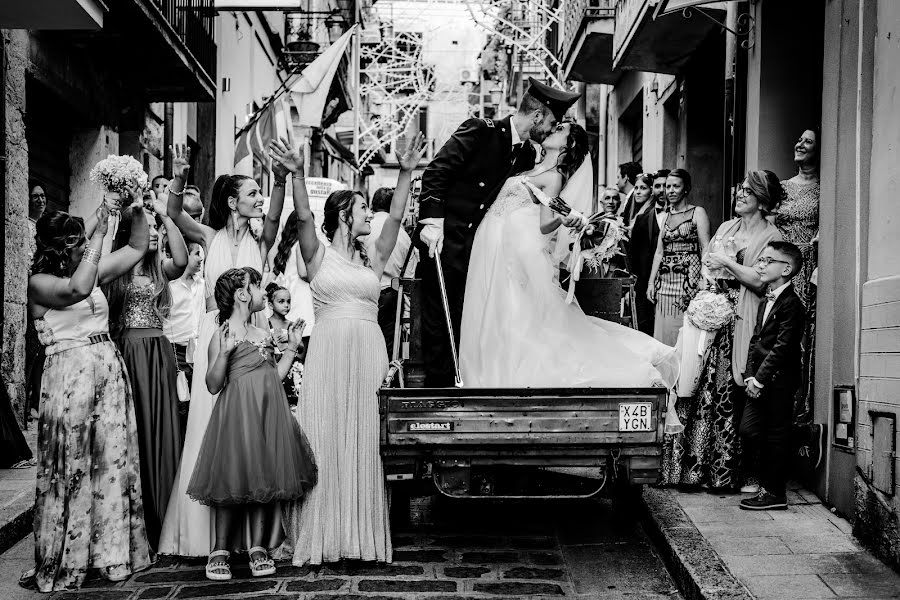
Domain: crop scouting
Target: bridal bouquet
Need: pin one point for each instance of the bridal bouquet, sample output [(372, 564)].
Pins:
[(710, 311), (602, 241), (116, 174)]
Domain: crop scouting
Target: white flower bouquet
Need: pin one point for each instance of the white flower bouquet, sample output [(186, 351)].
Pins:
[(710, 311), (117, 174), (602, 241)]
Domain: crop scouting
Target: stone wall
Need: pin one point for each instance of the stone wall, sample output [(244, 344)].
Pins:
[(19, 241)]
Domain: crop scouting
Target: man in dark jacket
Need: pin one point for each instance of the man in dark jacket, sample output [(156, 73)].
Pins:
[(773, 374), (458, 188), (642, 247)]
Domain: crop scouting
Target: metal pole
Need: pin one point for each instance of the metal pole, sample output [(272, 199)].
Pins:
[(446, 302), (357, 17)]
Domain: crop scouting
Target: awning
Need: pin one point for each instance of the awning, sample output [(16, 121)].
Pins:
[(669, 6), (338, 150), (52, 14)]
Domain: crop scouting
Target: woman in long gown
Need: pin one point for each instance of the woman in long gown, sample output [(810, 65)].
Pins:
[(517, 329), (708, 452), (346, 514), (139, 301), (798, 221), (88, 512), (189, 527)]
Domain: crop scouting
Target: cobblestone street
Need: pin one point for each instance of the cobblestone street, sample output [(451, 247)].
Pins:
[(475, 550)]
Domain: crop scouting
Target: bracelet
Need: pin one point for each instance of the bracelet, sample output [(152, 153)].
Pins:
[(295, 176), (289, 349), (92, 255), (278, 183), (174, 193)]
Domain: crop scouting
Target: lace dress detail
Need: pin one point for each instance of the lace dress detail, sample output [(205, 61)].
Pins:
[(679, 272), (514, 195), (140, 311), (798, 221)]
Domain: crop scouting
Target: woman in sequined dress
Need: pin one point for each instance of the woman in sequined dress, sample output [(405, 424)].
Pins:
[(675, 275), (88, 512), (139, 301), (798, 221), (708, 451)]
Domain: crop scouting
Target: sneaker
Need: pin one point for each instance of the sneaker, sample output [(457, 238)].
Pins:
[(764, 501), (751, 487)]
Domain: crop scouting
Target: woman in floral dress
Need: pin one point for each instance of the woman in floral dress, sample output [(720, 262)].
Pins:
[(798, 221), (675, 275), (708, 451), (88, 509)]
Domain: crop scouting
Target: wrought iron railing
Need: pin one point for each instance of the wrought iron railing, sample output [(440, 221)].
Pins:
[(576, 12), (194, 23)]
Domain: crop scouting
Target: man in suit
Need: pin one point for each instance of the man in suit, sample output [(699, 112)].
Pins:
[(773, 374), (642, 247), (458, 188)]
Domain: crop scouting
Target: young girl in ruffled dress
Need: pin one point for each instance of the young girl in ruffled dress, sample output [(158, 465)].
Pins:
[(254, 455), (280, 301)]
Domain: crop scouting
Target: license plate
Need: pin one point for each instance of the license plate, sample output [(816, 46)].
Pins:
[(429, 426), (635, 416)]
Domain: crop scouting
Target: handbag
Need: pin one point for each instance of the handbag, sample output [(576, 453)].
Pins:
[(182, 388)]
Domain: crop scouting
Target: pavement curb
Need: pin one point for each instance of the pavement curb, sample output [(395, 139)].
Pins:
[(695, 566), (15, 529)]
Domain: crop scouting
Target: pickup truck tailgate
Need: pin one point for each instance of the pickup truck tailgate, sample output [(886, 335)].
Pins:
[(557, 417)]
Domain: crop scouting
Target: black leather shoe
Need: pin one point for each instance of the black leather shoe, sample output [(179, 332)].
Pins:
[(764, 501)]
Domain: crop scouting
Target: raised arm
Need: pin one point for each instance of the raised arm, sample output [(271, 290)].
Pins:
[(308, 240), (221, 345), (192, 230), (173, 267), (276, 202), (385, 243), (115, 264), (58, 292)]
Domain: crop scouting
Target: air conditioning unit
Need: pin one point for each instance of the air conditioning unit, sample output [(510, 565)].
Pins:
[(468, 76)]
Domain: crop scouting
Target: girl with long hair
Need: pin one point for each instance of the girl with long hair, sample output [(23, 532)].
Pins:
[(228, 242), (88, 508), (346, 514), (517, 328), (290, 272), (139, 303), (280, 301)]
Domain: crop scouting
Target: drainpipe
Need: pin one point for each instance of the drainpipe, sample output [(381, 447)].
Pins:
[(728, 130), (602, 141), (3, 175), (168, 137)]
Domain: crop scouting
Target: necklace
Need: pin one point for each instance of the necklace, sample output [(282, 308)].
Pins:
[(678, 212)]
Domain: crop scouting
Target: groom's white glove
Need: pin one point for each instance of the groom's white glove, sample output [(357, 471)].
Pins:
[(432, 235)]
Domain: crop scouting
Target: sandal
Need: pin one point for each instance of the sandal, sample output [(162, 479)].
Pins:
[(218, 570), (260, 567), (25, 464)]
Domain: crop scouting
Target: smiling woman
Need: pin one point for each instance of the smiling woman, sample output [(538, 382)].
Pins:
[(707, 451)]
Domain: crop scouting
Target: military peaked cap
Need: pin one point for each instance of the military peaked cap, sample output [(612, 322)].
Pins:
[(558, 101)]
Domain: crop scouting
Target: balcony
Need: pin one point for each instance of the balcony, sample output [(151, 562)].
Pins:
[(587, 45), (661, 45)]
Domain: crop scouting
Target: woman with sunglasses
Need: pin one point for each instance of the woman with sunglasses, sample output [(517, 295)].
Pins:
[(706, 453), (88, 507)]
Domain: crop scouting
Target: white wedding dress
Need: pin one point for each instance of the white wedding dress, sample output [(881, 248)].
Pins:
[(517, 329)]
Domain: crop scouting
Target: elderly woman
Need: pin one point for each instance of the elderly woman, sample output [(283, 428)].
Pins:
[(88, 508), (798, 221), (707, 451)]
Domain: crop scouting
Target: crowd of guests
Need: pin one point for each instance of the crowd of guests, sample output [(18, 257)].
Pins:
[(745, 391), (186, 404)]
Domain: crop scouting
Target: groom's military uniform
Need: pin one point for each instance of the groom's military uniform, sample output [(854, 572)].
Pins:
[(459, 186)]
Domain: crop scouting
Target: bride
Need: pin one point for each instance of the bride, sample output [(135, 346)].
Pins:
[(517, 329)]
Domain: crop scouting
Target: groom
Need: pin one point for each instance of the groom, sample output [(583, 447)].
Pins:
[(458, 188)]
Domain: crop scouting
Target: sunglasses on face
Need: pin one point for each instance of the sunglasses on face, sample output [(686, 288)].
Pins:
[(767, 260)]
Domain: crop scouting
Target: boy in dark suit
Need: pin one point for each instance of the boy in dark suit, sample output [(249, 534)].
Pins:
[(773, 374)]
